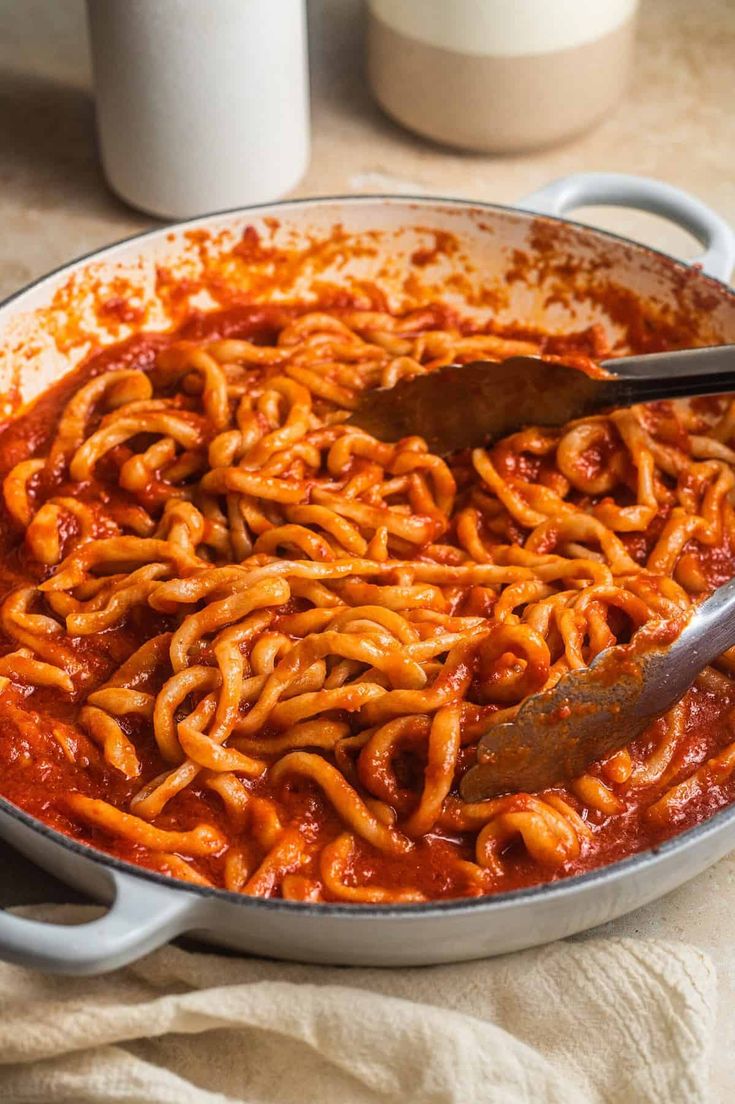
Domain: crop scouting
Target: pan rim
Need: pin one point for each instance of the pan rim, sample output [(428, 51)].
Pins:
[(493, 902)]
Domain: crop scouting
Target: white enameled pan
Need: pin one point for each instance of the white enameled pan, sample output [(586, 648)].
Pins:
[(565, 266)]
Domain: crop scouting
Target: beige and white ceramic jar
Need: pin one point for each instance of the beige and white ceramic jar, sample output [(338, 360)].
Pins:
[(499, 75)]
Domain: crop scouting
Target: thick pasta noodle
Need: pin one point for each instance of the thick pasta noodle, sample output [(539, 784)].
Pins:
[(249, 646)]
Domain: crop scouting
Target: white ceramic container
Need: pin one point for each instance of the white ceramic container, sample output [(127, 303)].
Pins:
[(201, 106)]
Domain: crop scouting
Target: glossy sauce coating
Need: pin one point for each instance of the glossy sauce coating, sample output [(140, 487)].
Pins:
[(46, 754)]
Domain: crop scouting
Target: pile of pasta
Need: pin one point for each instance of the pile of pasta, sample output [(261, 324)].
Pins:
[(318, 626)]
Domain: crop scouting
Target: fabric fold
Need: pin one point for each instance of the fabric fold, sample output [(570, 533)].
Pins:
[(594, 1021)]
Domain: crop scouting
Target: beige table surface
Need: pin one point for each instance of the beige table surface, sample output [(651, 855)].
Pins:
[(677, 123)]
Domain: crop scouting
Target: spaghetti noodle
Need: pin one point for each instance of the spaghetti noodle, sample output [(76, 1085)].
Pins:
[(250, 646)]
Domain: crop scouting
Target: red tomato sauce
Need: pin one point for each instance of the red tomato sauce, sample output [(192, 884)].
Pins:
[(36, 773)]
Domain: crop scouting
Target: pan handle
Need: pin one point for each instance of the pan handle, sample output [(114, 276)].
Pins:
[(622, 190), (142, 916)]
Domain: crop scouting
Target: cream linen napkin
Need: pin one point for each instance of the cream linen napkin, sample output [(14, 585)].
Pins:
[(597, 1021)]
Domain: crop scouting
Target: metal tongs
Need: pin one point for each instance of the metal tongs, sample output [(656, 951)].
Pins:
[(464, 405), (596, 710)]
